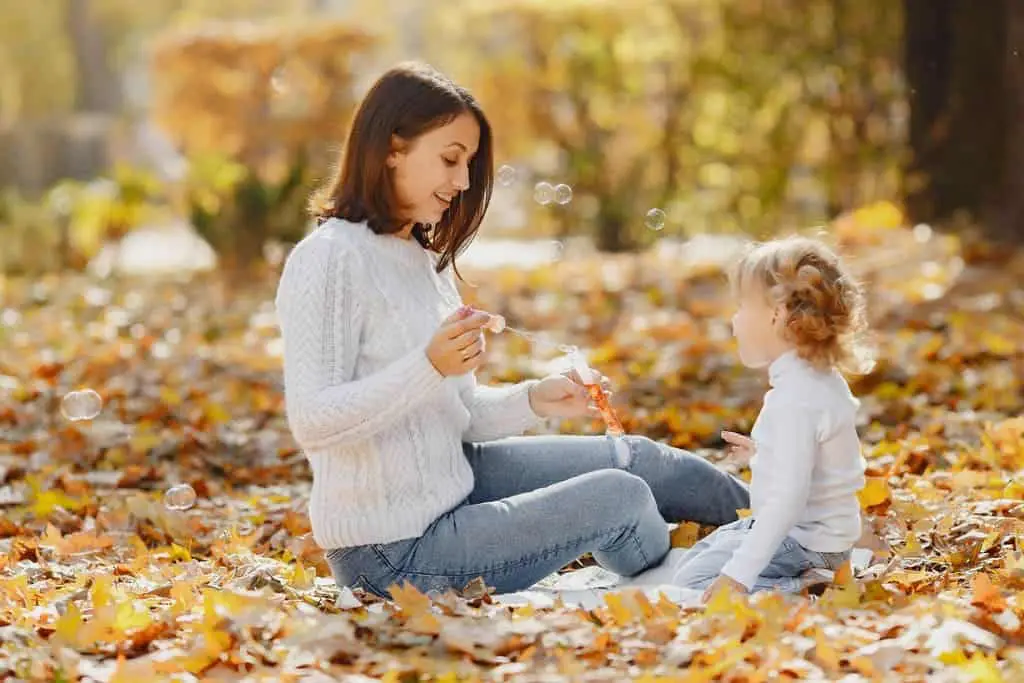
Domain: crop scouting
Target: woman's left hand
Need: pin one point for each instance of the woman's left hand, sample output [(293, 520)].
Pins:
[(562, 396)]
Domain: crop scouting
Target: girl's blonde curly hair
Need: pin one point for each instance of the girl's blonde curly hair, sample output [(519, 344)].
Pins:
[(824, 306)]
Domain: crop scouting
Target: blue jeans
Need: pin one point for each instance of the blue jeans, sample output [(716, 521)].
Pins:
[(703, 562), (538, 503)]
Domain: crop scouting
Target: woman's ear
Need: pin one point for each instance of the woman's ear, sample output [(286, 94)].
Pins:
[(397, 150)]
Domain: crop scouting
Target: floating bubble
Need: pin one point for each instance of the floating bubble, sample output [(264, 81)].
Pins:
[(563, 194), (655, 219), (281, 80), (180, 497), (81, 405), (506, 175), (922, 232), (557, 250), (543, 193)]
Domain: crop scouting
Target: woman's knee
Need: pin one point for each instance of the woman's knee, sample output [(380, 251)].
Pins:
[(621, 485)]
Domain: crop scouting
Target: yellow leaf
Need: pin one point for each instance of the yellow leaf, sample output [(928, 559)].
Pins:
[(846, 596), (170, 396), (143, 442), (417, 608), (183, 596), (102, 591), (991, 540), (725, 601), (875, 492), (48, 501), (216, 413), (685, 535), (300, 576), (743, 513), (177, 552), (912, 547), (68, 627), (982, 669), (131, 617), (619, 610)]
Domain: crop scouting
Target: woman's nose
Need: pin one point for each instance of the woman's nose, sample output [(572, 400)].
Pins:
[(462, 179)]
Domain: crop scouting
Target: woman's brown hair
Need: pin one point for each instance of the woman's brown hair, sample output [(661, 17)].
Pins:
[(409, 100)]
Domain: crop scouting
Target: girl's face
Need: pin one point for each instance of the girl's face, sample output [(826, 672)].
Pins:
[(756, 326), (430, 171)]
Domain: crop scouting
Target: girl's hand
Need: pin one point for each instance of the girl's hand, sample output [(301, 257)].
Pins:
[(721, 583), (739, 445)]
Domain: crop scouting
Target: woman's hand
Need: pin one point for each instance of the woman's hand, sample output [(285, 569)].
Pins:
[(739, 445), (563, 396), (458, 345)]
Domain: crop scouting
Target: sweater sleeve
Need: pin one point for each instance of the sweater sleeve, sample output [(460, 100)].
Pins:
[(494, 412), (786, 448), (497, 412), (319, 316)]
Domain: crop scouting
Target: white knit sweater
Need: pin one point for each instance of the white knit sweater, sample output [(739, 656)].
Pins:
[(382, 429)]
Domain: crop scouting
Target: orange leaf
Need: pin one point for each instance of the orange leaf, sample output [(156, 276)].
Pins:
[(986, 594)]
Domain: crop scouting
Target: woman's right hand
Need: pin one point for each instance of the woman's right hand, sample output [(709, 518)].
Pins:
[(458, 345)]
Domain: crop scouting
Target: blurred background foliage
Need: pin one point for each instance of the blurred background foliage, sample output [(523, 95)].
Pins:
[(738, 116)]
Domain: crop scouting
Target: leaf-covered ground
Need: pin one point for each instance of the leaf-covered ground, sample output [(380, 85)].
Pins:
[(100, 580)]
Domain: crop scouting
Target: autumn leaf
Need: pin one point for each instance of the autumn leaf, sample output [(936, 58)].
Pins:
[(875, 492), (985, 594), (685, 535)]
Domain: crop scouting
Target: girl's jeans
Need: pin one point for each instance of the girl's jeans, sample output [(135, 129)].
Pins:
[(539, 503), (703, 562)]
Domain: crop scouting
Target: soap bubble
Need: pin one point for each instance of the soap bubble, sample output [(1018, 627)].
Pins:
[(543, 193), (655, 219), (180, 497), (922, 232), (557, 250), (506, 175), (563, 194), (81, 405)]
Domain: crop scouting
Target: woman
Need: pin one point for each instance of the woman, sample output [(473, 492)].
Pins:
[(413, 478)]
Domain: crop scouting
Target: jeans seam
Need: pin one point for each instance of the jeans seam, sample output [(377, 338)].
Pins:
[(516, 564)]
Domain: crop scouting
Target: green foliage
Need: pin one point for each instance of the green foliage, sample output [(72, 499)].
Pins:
[(728, 114), (238, 211), (72, 222)]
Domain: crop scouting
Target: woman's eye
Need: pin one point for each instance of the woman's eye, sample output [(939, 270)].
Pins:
[(450, 162)]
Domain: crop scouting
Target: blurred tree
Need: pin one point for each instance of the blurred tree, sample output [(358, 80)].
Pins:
[(965, 69), (728, 114), (257, 108)]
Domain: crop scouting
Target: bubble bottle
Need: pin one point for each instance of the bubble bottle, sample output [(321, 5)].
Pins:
[(592, 381)]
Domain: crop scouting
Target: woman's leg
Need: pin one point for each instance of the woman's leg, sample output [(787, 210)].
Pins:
[(685, 486), (515, 541)]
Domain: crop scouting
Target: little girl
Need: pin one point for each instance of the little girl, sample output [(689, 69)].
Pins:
[(800, 316)]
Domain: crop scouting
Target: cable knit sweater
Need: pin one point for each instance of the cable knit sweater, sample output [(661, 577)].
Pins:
[(382, 429)]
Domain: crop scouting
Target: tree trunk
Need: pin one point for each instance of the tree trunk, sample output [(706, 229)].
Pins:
[(1005, 212), (955, 56), (612, 229), (96, 87)]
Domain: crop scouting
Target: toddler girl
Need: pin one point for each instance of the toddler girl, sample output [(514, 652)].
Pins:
[(800, 316)]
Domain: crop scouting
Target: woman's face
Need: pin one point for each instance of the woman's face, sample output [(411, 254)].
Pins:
[(431, 170)]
